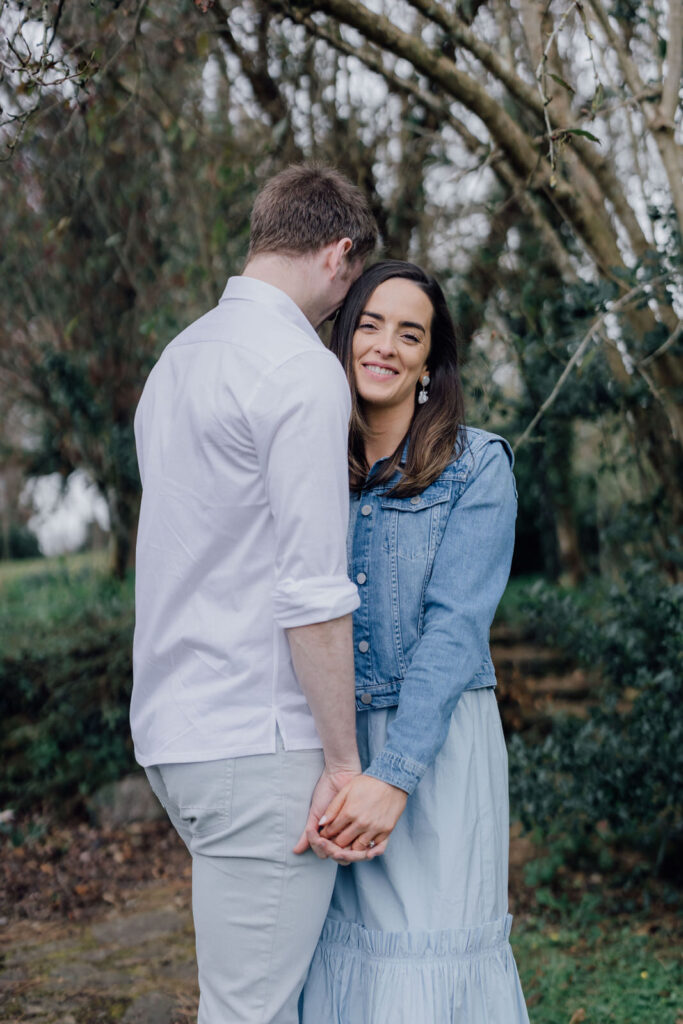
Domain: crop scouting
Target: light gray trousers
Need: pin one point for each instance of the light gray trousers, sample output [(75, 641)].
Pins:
[(258, 908)]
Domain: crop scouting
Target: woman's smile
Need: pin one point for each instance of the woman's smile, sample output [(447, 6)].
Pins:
[(377, 370)]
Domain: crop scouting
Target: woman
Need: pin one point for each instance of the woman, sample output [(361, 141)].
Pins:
[(420, 934)]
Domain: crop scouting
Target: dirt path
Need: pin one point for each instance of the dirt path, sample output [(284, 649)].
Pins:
[(128, 957), (133, 965), (95, 926)]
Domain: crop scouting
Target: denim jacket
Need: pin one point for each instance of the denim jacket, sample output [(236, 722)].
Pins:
[(430, 571)]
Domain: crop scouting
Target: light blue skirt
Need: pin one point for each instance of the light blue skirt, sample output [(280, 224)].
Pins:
[(420, 935)]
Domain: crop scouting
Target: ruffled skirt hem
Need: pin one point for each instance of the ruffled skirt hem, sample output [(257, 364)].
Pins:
[(423, 977)]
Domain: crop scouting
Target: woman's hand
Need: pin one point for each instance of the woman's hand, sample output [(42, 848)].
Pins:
[(329, 786), (365, 810)]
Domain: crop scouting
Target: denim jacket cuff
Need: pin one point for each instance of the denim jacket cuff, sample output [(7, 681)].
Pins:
[(396, 770)]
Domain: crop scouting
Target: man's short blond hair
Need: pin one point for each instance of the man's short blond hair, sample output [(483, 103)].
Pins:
[(305, 208)]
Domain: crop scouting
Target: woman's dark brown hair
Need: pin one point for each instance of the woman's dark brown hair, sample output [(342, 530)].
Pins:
[(434, 436)]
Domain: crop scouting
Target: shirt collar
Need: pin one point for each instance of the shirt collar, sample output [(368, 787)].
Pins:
[(377, 465), (404, 453), (253, 290)]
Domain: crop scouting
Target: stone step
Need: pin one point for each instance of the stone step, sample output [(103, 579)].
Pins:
[(530, 660), (575, 686), (538, 716), (505, 635)]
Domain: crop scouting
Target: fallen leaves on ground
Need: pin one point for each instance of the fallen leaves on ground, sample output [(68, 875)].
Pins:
[(72, 869)]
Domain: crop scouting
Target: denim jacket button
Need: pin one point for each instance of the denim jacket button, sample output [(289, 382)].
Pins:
[(361, 577), (366, 510), (366, 698), (415, 500), (363, 646)]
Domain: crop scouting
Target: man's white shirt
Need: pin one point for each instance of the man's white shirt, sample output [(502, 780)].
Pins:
[(241, 434)]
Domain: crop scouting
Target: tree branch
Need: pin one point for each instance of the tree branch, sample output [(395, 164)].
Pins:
[(626, 62), (583, 345), (659, 122), (254, 68), (674, 61), (404, 86), (589, 221), (596, 163), (513, 184), (669, 343)]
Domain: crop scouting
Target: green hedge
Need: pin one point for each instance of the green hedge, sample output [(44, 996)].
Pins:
[(617, 777), (65, 676)]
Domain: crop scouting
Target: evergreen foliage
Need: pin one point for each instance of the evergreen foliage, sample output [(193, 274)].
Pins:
[(65, 678), (618, 776)]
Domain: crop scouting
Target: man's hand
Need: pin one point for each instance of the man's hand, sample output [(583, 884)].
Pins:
[(365, 811), (329, 786)]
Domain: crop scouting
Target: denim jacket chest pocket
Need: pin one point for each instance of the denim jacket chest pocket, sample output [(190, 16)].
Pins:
[(412, 527)]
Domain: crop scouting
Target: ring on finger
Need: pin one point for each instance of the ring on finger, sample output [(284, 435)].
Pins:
[(371, 844)]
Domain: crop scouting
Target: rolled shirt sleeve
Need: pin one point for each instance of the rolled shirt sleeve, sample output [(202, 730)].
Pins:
[(470, 572), (299, 419)]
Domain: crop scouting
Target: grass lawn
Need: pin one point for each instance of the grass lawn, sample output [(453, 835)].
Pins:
[(46, 601), (16, 569), (607, 971)]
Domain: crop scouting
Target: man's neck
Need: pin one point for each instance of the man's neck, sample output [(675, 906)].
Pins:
[(290, 274)]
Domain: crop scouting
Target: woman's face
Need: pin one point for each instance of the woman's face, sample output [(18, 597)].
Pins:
[(391, 344)]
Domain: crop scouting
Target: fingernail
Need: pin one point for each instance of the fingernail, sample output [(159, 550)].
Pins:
[(323, 821)]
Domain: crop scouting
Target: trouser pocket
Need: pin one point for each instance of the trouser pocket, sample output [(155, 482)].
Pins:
[(197, 796)]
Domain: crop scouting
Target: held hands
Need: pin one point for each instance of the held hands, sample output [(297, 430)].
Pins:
[(330, 785), (364, 811)]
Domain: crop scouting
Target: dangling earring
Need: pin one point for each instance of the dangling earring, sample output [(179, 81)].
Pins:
[(422, 395)]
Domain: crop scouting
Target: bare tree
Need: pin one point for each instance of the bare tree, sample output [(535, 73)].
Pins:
[(464, 123), (570, 105)]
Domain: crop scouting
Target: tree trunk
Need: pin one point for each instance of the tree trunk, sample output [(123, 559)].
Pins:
[(123, 515)]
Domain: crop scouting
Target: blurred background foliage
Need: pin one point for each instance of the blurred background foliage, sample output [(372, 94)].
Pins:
[(527, 154)]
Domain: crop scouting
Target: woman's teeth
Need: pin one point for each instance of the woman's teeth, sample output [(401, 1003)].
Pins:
[(383, 371)]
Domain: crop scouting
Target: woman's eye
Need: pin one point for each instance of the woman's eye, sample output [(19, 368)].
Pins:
[(362, 327), (410, 337)]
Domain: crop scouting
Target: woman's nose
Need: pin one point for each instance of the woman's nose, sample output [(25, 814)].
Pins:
[(384, 345)]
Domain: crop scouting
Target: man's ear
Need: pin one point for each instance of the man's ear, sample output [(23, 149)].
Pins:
[(335, 256)]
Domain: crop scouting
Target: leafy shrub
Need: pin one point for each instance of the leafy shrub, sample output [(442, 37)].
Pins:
[(22, 543), (65, 674), (618, 774)]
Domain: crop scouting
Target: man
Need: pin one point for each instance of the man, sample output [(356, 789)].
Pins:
[(243, 665)]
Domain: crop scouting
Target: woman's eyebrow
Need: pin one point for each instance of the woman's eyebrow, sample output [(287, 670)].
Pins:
[(403, 323)]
